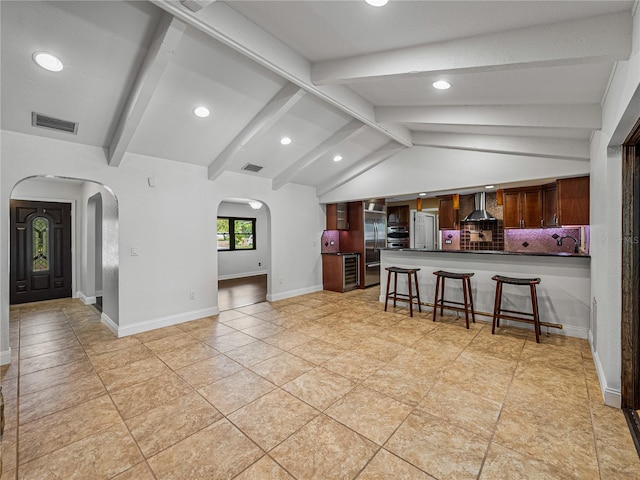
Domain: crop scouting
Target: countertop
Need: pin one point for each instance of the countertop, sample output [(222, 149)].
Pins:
[(340, 253), (490, 252)]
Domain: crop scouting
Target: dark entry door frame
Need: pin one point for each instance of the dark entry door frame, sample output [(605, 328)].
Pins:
[(630, 315), (41, 261)]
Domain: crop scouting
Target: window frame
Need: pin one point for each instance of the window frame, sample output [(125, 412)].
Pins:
[(232, 234)]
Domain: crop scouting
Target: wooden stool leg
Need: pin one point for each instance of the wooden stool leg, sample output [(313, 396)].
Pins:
[(395, 288), (534, 306), (386, 298), (410, 295), (473, 312), (442, 297), (415, 275), (435, 302), (466, 308), (496, 306)]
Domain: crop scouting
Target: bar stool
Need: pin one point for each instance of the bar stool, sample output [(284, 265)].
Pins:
[(497, 308), (410, 296), (441, 275)]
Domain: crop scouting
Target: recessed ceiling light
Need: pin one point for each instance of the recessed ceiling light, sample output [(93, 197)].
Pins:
[(47, 61), (377, 3), (202, 112), (441, 85), (489, 186), (285, 141), (422, 194), (337, 158)]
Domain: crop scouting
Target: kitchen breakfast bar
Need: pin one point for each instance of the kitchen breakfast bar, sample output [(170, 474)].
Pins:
[(563, 293)]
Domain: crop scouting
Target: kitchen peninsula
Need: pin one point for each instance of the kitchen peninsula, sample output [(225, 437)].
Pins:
[(563, 294)]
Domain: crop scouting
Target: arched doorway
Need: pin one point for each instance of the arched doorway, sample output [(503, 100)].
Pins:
[(94, 235), (244, 252)]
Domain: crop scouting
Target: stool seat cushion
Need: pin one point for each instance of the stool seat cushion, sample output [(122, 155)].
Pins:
[(402, 270), (458, 276), (515, 281)]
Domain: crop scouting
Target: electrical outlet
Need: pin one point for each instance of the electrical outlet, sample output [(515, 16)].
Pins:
[(192, 295), (259, 264), (280, 281)]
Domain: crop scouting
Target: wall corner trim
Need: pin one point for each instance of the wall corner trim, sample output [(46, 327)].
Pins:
[(111, 325), (84, 299), (139, 327)]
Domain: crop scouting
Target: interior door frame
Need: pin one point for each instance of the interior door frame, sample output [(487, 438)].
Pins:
[(630, 314), (73, 230)]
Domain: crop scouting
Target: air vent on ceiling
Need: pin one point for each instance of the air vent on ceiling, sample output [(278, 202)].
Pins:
[(39, 120), (252, 168)]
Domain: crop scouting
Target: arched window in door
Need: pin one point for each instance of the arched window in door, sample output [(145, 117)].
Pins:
[(40, 230)]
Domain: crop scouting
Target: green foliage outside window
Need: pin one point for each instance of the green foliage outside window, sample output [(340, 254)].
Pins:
[(236, 233)]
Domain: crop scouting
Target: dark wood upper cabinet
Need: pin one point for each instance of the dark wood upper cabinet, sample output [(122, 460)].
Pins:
[(511, 209), (522, 208), (337, 216), (573, 201), (549, 205), (447, 216)]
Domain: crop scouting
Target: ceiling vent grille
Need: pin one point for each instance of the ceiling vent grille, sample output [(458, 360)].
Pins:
[(250, 167), (39, 120)]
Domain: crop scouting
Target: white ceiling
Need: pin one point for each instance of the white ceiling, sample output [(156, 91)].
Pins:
[(338, 77)]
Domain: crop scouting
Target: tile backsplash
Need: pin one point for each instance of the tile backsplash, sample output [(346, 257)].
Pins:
[(545, 240), (534, 240), (487, 235)]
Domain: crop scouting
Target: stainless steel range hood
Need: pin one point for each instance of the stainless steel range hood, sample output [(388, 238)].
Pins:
[(479, 213)]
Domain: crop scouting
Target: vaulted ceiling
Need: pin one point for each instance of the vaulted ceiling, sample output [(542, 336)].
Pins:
[(337, 77)]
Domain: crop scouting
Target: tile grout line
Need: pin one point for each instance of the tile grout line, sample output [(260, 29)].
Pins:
[(495, 427)]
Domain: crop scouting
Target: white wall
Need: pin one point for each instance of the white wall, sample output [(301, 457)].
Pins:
[(244, 263), (621, 109), (170, 226)]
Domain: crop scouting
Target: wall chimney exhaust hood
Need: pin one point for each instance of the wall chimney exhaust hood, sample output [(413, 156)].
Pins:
[(479, 213)]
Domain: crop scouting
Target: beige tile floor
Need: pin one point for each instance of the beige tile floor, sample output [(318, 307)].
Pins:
[(320, 386)]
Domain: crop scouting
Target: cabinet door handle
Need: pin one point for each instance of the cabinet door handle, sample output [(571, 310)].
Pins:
[(555, 219), (542, 222)]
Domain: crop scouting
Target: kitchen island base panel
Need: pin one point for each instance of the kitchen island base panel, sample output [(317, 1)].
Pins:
[(563, 294)]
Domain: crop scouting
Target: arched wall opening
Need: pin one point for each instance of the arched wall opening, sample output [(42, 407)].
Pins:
[(236, 265), (94, 235)]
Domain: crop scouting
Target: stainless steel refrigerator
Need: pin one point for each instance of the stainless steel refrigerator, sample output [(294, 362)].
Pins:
[(375, 238)]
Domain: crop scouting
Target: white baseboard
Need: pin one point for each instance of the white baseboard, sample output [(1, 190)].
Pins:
[(293, 293), (84, 299), (241, 275), (111, 325), (5, 357), (611, 396), (145, 326)]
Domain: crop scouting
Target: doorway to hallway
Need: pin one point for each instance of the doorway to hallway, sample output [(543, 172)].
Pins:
[(240, 292)]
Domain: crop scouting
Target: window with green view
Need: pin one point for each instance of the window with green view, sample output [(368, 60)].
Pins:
[(236, 233)]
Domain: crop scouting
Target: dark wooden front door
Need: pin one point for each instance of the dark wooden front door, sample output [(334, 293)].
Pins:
[(40, 251)]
